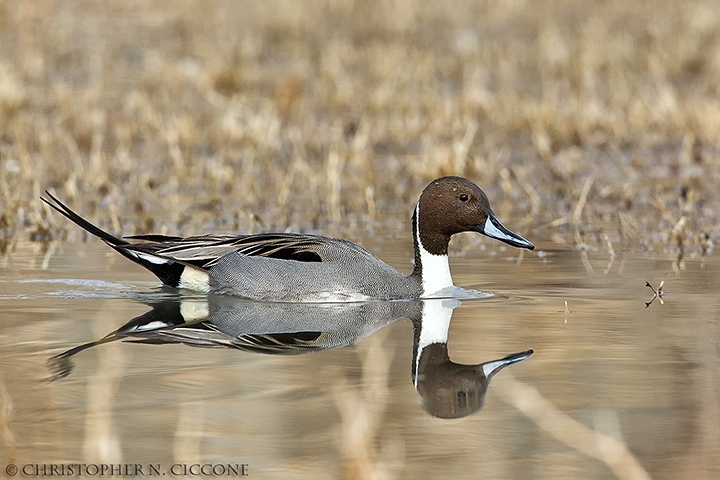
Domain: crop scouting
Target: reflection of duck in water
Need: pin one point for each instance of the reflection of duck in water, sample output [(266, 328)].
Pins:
[(448, 390), (223, 321), (453, 390)]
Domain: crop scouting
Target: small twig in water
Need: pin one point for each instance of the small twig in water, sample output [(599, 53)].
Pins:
[(656, 293)]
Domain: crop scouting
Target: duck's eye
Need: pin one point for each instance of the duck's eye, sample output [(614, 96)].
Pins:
[(463, 197)]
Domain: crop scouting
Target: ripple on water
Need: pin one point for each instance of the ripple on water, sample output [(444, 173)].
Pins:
[(92, 289)]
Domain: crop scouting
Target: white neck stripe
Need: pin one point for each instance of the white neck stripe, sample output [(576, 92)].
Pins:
[(435, 269), (434, 326)]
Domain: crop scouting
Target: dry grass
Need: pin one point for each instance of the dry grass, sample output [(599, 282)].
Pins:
[(240, 116)]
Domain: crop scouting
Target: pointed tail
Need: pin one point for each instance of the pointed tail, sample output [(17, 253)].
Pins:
[(63, 209), (168, 270)]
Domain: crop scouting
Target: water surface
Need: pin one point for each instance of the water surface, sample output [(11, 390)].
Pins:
[(614, 389)]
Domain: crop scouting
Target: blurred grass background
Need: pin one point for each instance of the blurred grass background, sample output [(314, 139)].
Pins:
[(593, 123)]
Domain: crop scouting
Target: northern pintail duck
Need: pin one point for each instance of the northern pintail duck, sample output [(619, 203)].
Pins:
[(293, 267)]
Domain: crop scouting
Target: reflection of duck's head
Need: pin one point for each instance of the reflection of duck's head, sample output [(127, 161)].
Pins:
[(448, 389), (453, 390)]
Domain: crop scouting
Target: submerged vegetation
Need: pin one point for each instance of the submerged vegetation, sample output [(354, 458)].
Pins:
[(588, 123)]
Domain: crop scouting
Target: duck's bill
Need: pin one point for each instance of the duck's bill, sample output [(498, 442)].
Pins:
[(491, 368), (494, 229)]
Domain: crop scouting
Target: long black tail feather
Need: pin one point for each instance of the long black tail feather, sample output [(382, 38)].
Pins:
[(166, 269), (63, 209)]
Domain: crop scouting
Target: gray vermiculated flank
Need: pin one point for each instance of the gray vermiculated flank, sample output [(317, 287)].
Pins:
[(347, 271)]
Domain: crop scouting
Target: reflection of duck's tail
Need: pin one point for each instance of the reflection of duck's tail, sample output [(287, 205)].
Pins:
[(491, 368), (164, 315), (61, 365)]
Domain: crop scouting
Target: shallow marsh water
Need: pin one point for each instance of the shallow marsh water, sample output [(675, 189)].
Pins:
[(613, 390)]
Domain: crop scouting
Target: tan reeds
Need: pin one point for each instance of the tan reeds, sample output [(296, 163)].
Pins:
[(338, 114)]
